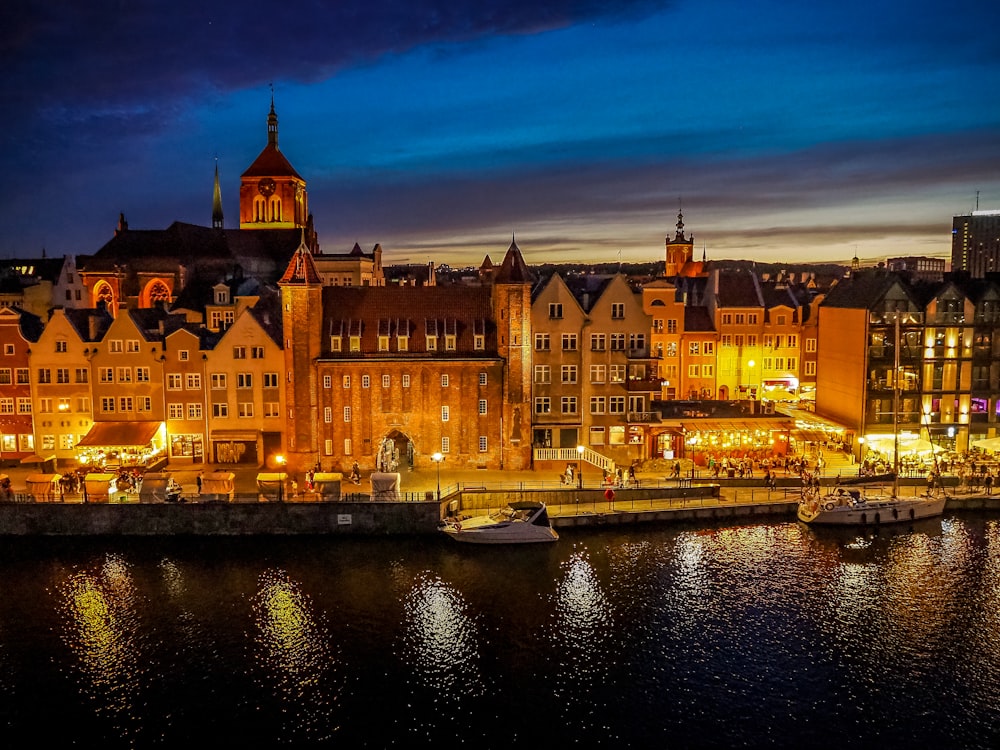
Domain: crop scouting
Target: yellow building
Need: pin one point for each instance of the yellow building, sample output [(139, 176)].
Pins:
[(126, 374), (245, 385)]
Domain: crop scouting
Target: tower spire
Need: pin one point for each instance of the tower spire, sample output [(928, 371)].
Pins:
[(272, 123), (217, 220)]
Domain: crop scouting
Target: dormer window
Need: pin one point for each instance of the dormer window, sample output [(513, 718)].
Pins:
[(336, 335), (479, 334), (431, 330), (450, 335)]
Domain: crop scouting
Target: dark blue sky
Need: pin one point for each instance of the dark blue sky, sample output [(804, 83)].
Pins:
[(799, 131)]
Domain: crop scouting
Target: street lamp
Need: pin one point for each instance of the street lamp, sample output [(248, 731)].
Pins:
[(438, 458), (579, 465), (280, 461)]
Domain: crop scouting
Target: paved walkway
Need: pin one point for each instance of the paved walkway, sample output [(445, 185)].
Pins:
[(423, 480)]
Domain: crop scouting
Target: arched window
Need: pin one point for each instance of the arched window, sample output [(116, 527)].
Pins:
[(104, 297), (156, 294), (275, 209)]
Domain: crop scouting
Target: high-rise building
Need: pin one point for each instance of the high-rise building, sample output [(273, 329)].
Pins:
[(975, 243)]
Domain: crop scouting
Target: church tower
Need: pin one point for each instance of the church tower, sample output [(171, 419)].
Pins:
[(680, 250), (272, 194), (512, 314)]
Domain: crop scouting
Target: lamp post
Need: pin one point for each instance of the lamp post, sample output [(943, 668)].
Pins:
[(438, 458), (280, 461), (579, 465)]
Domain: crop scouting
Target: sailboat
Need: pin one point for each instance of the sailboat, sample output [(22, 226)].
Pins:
[(861, 501)]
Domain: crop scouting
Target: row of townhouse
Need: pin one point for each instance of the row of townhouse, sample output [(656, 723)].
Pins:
[(485, 374), (90, 387), (607, 356), (479, 373)]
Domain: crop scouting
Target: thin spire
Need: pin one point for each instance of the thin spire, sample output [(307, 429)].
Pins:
[(217, 219), (272, 123)]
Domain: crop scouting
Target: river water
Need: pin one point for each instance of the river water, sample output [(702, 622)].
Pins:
[(770, 635)]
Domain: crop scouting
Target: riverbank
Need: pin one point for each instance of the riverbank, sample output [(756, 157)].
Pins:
[(568, 508)]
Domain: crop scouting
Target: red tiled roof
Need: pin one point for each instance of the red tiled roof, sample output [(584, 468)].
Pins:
[(271, 163), (462, 311)]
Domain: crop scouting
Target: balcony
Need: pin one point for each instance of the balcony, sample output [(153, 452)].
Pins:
[(642, 417), (946, 318), (643, 385), (639, 352)]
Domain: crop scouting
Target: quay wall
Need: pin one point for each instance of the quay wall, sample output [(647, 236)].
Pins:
[(676, 515), (417, 517), (219, 519), (474, 500)]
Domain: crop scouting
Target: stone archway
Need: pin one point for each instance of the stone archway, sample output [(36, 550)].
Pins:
[(394, 452)]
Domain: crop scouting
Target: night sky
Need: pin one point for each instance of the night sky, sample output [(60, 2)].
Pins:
[(786, 130)]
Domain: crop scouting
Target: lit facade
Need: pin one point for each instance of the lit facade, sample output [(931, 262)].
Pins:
[(19, 331), (975, 243), (923, 366), (245, 386)]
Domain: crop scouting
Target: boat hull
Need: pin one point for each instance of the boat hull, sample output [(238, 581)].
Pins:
[(889, 510), (534, 535), (520, 523)]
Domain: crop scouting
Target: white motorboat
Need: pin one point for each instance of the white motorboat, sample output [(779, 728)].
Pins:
[(519, 523), (853, 506)]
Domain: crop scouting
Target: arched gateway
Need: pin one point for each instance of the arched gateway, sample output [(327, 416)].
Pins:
[(395, 452)]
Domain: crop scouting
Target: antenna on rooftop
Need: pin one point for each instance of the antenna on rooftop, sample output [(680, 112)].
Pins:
[(977, 200)]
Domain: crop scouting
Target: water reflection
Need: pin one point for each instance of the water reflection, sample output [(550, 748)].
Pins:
[(102, 631), (583, 634), (771, 633), (440, 640), (296, 658)]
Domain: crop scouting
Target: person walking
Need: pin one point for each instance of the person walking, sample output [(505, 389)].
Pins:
[(199, 481)]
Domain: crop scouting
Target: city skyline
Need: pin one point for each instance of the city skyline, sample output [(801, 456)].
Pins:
[(793, 133)]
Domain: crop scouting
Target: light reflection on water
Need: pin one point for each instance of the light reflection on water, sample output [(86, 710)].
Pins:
[(296, 658), (772, 634), (102, 631)]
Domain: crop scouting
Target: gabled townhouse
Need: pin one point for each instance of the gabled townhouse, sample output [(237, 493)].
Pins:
[(557, 322), (786, 306), (699, 354), (617, 334), (19, 332), (736, 305), (595, 373), (127, 384), (245, 381), (184, 408), (62, 380)]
